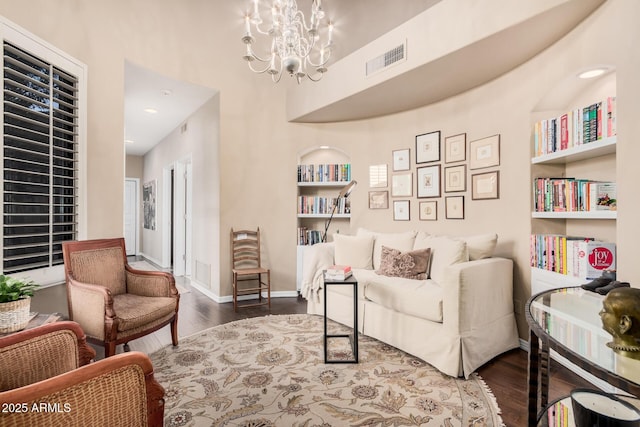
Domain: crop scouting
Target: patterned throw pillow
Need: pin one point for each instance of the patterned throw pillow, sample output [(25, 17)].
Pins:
[(409, 265)]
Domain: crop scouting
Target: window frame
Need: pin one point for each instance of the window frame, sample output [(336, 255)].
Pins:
[(23, 39)]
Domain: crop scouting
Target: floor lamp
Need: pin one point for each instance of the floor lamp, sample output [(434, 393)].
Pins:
[(346, 190)]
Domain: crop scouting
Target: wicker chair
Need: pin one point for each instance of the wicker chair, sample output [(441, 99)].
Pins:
[(113, 302), (46, 380)]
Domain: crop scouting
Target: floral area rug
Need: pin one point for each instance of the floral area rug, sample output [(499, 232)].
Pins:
[(270, 371)]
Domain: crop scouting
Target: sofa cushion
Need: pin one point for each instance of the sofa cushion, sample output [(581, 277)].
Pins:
[(355, 251), (409, 265), (419, 298), (402, 241), (481, 246), (445, 251)]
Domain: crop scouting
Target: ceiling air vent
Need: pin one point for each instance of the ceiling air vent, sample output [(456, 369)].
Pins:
[(387, 59)]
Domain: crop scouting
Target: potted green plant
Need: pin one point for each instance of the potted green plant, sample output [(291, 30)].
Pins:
[(15, 303)]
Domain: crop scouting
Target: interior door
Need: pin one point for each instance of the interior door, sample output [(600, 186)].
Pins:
[(131, 215)]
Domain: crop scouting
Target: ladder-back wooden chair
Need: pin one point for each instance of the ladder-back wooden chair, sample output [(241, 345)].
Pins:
[(246, 266)]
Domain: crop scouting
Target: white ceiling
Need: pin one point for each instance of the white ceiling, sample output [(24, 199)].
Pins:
[(360, 22)]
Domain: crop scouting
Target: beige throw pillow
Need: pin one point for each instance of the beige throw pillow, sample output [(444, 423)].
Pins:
[(481, 246), (354, 251), (445, 251), (402, 241), (409, 265)]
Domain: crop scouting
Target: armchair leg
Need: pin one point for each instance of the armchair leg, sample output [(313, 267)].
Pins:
[(126, 348), (174, 331), (109, 349)]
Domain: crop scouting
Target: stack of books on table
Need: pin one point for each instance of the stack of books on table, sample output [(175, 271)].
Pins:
[(338, 272)]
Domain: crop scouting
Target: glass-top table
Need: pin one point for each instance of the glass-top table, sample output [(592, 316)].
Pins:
[(567, 320)]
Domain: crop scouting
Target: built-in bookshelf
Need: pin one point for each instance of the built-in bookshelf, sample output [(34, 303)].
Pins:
[(322, 172), (573, 180)]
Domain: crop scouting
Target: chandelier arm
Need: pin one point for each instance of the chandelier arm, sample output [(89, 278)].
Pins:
[(261, 31), (321, 63), (257, 71), (315, 80), (259, 58)]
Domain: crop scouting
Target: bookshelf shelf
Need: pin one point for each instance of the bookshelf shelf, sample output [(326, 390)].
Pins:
[(576, 215), (579, 153), (333, 184), (325, 216)]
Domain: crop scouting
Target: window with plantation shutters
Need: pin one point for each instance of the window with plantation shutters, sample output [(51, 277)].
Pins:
[(40, 158)]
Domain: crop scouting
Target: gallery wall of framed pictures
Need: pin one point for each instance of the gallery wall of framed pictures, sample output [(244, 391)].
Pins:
[(445, 169)]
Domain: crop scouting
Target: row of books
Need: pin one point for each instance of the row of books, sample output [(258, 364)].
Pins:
[(574, 256), (324, 173), (308, 237), (558, 415), (573, 195), (575, 127), (318, 205)]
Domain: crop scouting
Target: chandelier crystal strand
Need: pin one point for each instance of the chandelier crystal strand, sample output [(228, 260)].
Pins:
[(295, 45)]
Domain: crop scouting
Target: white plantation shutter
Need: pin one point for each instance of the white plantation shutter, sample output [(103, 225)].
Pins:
[(40, 161)]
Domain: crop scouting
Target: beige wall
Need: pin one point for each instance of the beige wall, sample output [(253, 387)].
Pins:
[(258, 148)]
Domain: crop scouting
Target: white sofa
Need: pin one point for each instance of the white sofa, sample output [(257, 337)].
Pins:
[(457, 319)]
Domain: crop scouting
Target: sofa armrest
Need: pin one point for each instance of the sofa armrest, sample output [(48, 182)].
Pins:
[(477, 293), (316, 258)]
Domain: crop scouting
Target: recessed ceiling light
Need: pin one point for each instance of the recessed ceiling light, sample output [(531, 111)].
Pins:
[(324, 147), (150, 110), (589, 74)]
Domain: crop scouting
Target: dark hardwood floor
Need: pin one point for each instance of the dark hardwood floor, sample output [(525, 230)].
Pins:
[(505, 375)]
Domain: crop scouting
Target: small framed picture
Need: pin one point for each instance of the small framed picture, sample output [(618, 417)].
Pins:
[(402, 185), (378, 176), (401, 210), (401, 160), (485, 152), (428, 147), (378, 199), (485, 185), (428, 211), (454, 207), (429, 181), (455, 148), (455, 178)]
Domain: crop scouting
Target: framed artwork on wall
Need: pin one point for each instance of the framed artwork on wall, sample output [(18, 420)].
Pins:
[(428, 147), (455, 148), (485, 152), (454, 207), (429, 181), (401, 160), (485, 185), (402, 185), (428, 211), (378, 176), (378, 199), (401, 210), (455, 179), (149, 204)]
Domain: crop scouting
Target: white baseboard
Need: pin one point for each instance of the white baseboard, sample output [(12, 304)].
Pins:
[(153, 260), (229, 298)]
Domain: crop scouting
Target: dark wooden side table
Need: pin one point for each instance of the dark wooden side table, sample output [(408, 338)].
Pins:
[(566, 320), (353, 338)]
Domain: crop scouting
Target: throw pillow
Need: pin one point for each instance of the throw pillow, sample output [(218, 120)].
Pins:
[(445, 251), (409, 265), (481, 246), (402, 241), (355, 251)]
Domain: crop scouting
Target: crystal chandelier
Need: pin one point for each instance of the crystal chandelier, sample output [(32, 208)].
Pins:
[(295, 46)]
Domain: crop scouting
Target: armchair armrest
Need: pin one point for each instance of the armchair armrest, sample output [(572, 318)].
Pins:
[(36, 354), (477, 293), (85, 301), (124, 382), (150, 283)]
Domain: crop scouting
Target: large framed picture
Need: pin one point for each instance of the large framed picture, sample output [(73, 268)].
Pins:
[(485, 185), (428, 211), (428, 147), (429, 181), (455, 148), (378, 199), (401, 210), (455, 179), (401, 160), (402, 185), (485, 152), (454, 207)]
